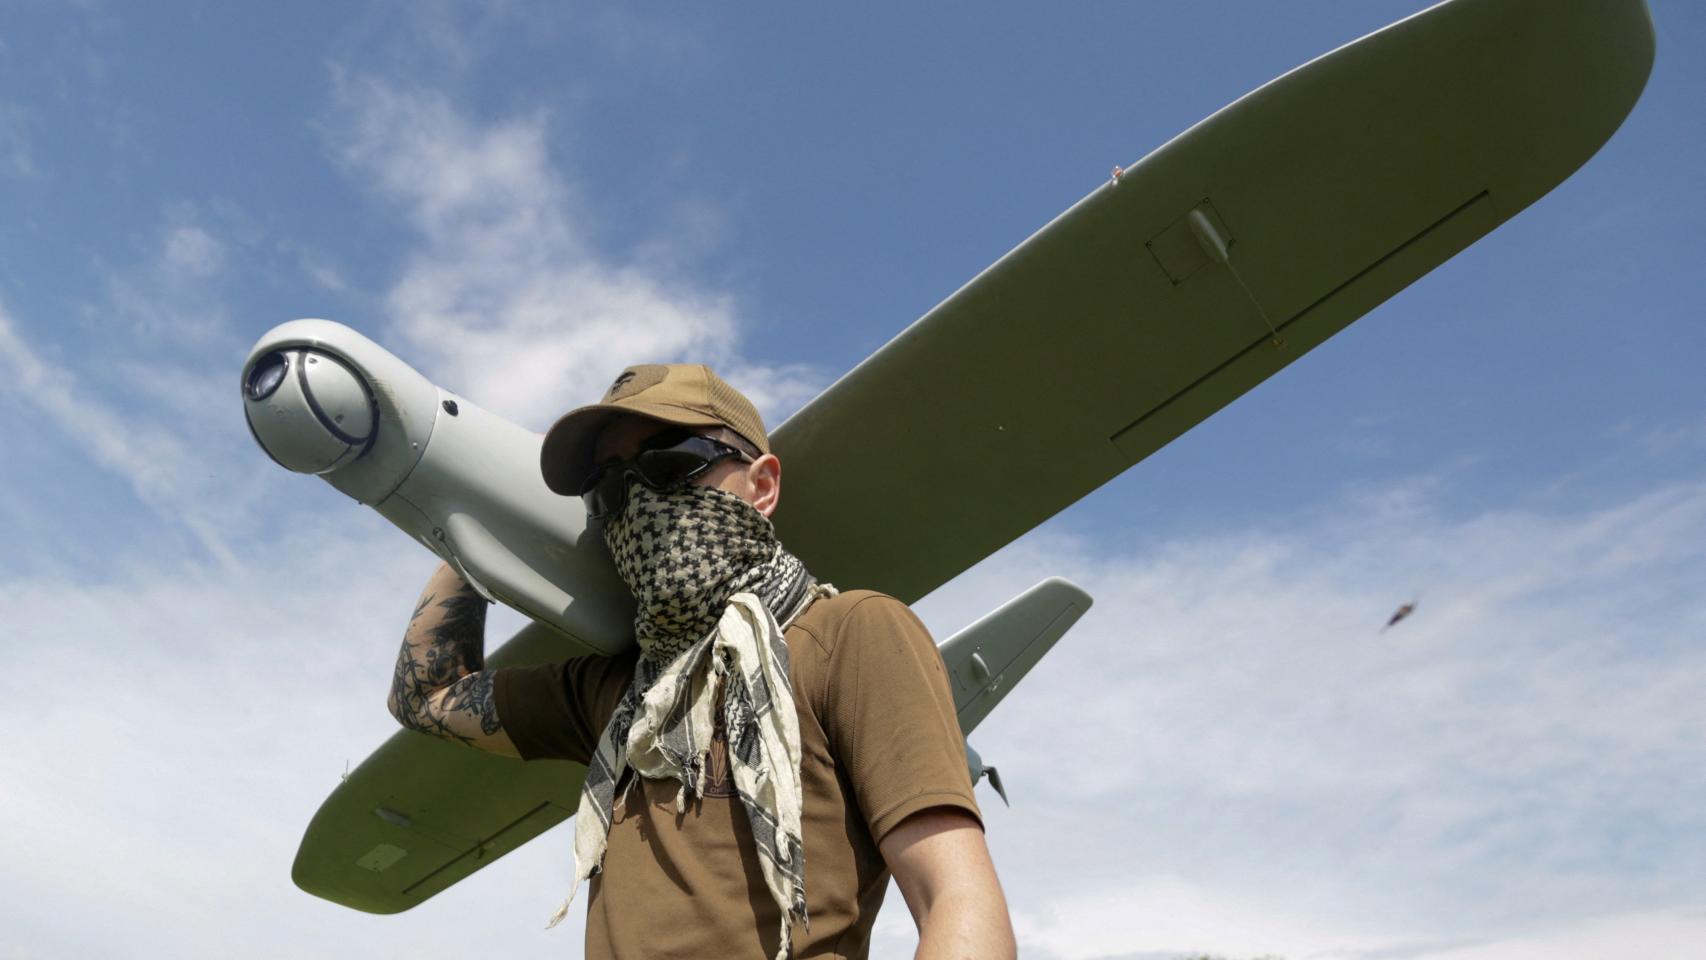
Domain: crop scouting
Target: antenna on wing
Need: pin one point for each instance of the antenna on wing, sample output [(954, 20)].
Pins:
[(1217, 245), (995, 781), (978, 771)]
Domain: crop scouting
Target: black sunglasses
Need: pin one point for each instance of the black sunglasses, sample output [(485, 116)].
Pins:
[(669, 461)]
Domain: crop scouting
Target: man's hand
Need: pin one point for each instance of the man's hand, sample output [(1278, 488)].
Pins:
[(941, 863), (439, 686)]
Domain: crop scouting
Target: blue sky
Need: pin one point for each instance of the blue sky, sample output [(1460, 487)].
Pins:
[(521, 199)]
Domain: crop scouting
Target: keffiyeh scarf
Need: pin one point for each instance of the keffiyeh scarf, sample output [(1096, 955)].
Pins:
[(714, 589)]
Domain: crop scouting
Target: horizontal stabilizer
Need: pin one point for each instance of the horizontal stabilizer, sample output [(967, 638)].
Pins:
[(987, 659)]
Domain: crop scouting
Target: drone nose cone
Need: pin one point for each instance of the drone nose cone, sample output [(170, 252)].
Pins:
[(309, 411)]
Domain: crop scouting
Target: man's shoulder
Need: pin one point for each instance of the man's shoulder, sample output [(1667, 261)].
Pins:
[(828, 621)]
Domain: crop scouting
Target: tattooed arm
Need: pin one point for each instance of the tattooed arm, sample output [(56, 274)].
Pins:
[(440, 685)]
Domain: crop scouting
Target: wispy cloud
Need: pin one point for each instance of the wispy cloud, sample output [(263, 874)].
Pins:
[(163, 468), (1225, 756), (504, 298), (1167, 917), (1230, 717), (171, 294), (141, 379), (321, 270), (16, 156), (196, 715), (1647, 933), (1690, 435), (191, 252)]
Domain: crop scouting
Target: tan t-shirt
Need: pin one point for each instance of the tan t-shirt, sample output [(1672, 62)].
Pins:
[(879, 742)]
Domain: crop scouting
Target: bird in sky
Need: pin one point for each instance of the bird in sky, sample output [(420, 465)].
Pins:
[(1400, 614)]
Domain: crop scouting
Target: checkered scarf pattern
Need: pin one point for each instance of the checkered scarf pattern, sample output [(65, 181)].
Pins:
[(713, 588)]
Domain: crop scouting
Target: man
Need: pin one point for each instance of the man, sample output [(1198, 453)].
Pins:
[(773, 750)]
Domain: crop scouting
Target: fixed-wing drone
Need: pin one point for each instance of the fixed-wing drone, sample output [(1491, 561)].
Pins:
[(1170, 290)]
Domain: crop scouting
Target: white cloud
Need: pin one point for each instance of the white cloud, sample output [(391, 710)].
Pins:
[(176, 728), (143, 382), (171, 295), (1167, 916), (1656, 933), (1173, 919), (162, 467), (192, 252), (504, 299), (1688, 435), (1230, 716), (16, 157), (323, 272), (1225, 756)]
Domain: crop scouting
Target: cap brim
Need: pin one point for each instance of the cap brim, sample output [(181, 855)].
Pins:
[(566, 456)]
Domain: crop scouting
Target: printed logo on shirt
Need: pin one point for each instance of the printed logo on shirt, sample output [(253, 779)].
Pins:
[(719, 780)]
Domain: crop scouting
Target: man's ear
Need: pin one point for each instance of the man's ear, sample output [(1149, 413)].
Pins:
[(765, 475)]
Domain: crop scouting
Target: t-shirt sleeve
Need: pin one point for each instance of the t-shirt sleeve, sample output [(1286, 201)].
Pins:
[(558, 710), (890, 717)]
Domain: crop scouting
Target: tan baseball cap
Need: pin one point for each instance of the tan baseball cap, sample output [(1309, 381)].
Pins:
[(685, 394)]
